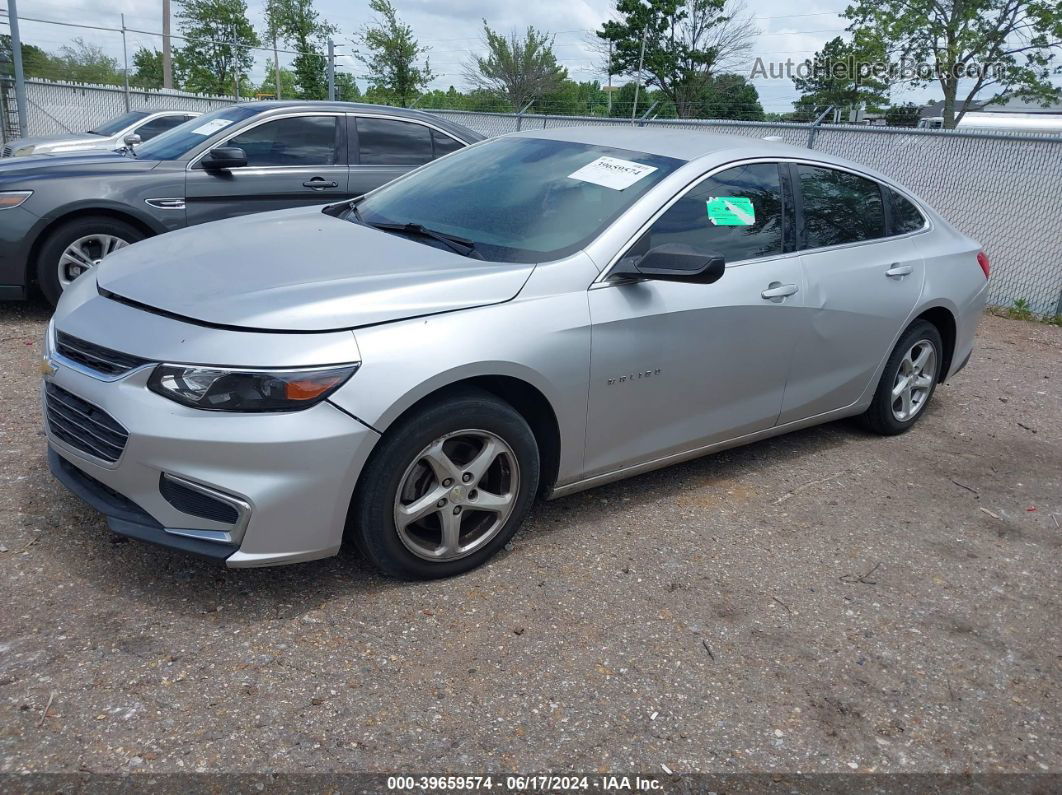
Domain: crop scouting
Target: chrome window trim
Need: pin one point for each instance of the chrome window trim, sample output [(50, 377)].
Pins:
[(336, 114), (607, 270)]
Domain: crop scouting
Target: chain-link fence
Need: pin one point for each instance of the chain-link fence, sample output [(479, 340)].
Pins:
[(1004, 190), (57, 108)]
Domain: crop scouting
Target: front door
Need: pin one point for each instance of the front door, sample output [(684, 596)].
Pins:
[(291, 162), (676, 366)]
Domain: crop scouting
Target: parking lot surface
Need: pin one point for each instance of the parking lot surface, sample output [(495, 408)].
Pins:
[(823, 601)]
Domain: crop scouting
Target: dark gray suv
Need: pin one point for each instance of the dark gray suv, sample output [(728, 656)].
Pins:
[(59, 216)]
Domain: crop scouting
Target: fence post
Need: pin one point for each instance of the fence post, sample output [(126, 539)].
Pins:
[(20, 77), (815, 127), (125, 65), (331, 71), (520, 115), (645, 116)]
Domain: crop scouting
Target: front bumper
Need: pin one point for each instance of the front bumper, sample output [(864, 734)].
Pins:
[(292, 473)]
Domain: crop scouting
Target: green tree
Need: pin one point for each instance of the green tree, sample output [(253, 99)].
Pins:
[(298, 23), (686, 41), (347, 88), (147, 66), (217, 51), (839, 75), (393, 56), (35, 61), (518, 68), (268, 88), (81, 62), (905, 115), (1019, 39), (730, 96)]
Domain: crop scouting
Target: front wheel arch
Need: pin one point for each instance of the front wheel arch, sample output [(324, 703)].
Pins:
[(45, 233)]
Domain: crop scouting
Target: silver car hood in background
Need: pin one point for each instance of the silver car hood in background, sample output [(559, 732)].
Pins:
[(301, 270)]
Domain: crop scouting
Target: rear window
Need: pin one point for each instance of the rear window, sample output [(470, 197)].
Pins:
[(839, 207), (905, 216)]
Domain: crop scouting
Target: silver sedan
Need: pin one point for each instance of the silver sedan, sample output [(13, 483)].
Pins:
[(531, 316)]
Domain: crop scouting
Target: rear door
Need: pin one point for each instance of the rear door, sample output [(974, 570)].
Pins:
[(291, 161), (864, 274), (387, 148)]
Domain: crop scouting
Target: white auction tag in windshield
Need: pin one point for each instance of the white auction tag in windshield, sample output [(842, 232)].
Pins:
[(212, 126), (611, 172)]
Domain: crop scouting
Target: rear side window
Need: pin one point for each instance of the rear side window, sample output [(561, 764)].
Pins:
[(444, 144), (736, 213), (905, 216), (839, 207), (387, 142), (295, 141)]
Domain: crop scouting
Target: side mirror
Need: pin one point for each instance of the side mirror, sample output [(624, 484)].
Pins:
[(674, 262), (224, 158), (131, 140)]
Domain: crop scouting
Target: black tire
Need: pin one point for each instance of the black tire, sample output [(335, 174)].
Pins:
[(66, 233), (372, 524), (880, 417)]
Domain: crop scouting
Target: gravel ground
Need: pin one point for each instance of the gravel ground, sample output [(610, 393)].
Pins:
[(825, 601)]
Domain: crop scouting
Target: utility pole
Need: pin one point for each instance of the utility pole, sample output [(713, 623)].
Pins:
[(276, 62), (125, 64), (641, 62), (167, 52), (20, 77), (610, 77), (331, 71), (236, 71)]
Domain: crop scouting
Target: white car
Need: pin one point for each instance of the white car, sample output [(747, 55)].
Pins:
[(129, 129)]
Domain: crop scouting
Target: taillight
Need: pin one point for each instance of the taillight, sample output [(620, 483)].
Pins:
[(982, 260)]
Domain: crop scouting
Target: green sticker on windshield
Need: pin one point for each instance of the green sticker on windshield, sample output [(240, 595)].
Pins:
[(731, 211)]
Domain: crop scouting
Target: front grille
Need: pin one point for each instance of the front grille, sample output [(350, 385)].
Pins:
[(6, 151), (195, 503), (83, 426), (96, 357)]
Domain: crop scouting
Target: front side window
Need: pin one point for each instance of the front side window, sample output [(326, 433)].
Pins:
[(520, 199), (387, 142), (296, 141), (905, 216), (736, 213), (159, 125), (839, 207)]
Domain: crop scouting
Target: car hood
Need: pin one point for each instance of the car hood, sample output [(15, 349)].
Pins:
[(75, 163), (73, 139), (301, 270)]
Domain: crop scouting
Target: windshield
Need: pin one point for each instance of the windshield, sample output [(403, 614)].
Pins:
[(174, 143), (115, 126), (520, 199)]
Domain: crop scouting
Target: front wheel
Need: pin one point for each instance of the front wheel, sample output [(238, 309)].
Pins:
[(446, 488), (77, 247), (910, 377)]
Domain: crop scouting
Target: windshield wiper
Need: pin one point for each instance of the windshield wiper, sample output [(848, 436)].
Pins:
[(461, 245)]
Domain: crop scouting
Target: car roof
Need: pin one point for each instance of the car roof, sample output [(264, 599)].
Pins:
[(263, 106), (682, 144)]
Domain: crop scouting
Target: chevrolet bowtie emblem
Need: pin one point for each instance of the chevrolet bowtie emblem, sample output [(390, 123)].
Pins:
[(47, 368)]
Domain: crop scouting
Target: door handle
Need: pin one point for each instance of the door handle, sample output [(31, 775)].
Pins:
[(318, 183), (898, 271), (778, 292)]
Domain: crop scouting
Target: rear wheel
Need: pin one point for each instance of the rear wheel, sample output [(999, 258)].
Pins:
[(908, 381), (447, 488), (78, 246)]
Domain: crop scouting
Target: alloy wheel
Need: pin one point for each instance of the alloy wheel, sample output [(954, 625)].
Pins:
[(914, 380), (86, 253), (456, 495)]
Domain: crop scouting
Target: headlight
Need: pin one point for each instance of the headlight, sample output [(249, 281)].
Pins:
[(13, 198), (252, 390)]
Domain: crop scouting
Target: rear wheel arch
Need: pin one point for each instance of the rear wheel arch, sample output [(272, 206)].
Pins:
[(944, 320)]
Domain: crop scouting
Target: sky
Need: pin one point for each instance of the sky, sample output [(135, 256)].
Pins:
[(453, 31)]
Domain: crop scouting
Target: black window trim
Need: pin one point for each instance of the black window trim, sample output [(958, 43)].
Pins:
[(255, 121), (602, 279)]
